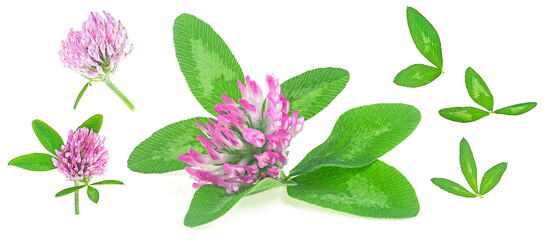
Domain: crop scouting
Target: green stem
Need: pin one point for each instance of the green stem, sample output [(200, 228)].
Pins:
[(118, 92), (76, 198)]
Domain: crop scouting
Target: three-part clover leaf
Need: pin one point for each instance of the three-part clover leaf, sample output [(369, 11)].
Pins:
[(428, 43), (480, 93), (468, 166)]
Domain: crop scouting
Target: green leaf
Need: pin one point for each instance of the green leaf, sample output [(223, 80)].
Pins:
[(34, 162), (48, 137), (377, 190), (463, 114), (108, 182), (517, 109), (312, 91), (425, 37), (93, 194), (477, 89), (361, 135), (211, 202), (468, 165), (94, 123), (159, 153), (206, 62), (81, 94), (452, 187), (492, 177), (68, 190), (417, 75)]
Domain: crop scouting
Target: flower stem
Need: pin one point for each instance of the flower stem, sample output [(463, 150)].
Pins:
[(76, 198), (118, 92)]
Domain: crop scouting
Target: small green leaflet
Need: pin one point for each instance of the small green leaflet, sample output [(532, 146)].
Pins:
[(93, 194), (376, 190), (361, 135), (81, 94), (105, 182), (478, 90), (312, 91), (463, 114), (425, 37), (468, 165), (417, 75), (428, 43), (211, 202), (517, 109), (94, 123), (492, 177), (48, 137), (34, 162), (452, 187), (69, 190), (159, 153), (206, 62)]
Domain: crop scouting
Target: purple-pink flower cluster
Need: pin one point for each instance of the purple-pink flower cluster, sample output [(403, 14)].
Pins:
[(83, 155), (97, 49), (247, 142)]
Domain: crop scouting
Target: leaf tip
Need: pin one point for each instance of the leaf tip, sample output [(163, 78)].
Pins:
[(35, 123)]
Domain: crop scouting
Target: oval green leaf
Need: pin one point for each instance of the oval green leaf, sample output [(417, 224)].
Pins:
[(463, 114), (425, 37), (478, 90), (492, 177), (159, 153), (105, 182), (94, 123), (206, 62), (48, 137), (361, 135), (452, 187), (377, 190), (34, 162), (211, 202), (417, 75), (517, 109), (67, 191), (93, 194), (468, 165), (312, 91)]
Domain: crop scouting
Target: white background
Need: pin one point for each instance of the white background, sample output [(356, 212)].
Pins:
[(502, 40)]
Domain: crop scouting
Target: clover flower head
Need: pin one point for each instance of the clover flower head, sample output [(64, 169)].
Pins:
[(96, 50), (247, 142), (83, 156)]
